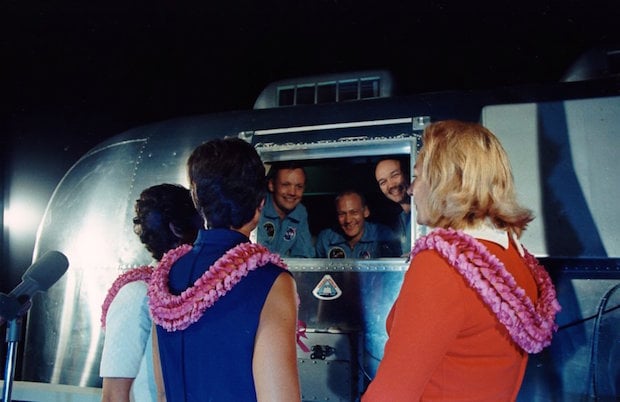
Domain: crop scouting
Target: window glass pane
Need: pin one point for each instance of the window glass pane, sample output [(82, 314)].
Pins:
[(326, 93), (305, 95), (347, 90), (286, 97), (369, 88)]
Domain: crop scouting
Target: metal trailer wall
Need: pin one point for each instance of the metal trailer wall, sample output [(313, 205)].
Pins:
[(89, 219), (564, 154)]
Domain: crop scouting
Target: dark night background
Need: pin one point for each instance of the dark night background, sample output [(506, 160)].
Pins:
[(77, 72)]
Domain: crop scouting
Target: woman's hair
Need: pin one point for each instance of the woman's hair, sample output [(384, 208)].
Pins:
[(157, 208), (470, 178), (228, 182)]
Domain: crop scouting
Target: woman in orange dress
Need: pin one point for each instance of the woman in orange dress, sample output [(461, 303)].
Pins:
[(473, 302)]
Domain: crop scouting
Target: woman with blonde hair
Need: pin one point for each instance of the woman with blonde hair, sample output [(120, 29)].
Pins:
[(474, 301)]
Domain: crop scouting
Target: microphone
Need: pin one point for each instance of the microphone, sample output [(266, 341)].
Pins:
[(46, 271)]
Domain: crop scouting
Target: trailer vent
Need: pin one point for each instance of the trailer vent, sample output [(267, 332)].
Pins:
[(331, 88)]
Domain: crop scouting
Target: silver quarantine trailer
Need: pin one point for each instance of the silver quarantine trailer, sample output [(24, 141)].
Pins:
[(563, 140)]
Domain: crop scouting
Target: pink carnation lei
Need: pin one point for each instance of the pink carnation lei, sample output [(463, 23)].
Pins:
[(530, 326), (177, 312), (142, 273)]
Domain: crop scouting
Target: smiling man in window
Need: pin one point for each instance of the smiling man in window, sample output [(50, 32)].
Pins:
[(283, 226), (393, 183)]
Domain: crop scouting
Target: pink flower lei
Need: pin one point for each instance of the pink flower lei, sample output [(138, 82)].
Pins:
[(530, 326), (177, 312), (142, 273)]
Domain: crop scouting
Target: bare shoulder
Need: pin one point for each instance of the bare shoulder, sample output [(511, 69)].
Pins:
[(282, 295)]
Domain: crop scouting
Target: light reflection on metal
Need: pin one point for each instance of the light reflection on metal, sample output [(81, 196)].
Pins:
[(19, 218), (89, 220)]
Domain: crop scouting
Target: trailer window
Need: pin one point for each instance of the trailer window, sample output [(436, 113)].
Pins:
[(343, 156)]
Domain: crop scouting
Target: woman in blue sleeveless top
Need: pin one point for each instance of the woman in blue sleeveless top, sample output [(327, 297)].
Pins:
[(226, 309)]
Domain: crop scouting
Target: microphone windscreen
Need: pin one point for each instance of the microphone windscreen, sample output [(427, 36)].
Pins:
[(47, 270)]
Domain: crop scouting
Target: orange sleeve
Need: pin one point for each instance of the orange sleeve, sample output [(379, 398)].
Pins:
[(426, 318)]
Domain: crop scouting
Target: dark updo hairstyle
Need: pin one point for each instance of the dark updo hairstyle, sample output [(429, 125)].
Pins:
[(159, 207), (227, 181)]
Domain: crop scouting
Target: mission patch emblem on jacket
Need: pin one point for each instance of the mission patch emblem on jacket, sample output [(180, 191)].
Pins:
[(338, 252), (290, 233), (270, 229)]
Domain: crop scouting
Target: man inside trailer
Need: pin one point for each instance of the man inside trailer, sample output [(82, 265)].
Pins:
[(393, 183), (355, 236), (283, 226)]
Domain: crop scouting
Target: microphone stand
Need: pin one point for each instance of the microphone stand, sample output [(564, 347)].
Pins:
[(17, 303), (13, 311), (13, 333)]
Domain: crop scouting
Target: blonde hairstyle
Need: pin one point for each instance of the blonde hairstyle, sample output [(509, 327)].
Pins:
[(470, 179)]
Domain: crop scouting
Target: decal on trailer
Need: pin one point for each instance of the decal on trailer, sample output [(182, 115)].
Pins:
[(327, 289)]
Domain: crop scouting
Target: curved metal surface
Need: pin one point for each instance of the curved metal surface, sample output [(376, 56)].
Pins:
[(89, 219)]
